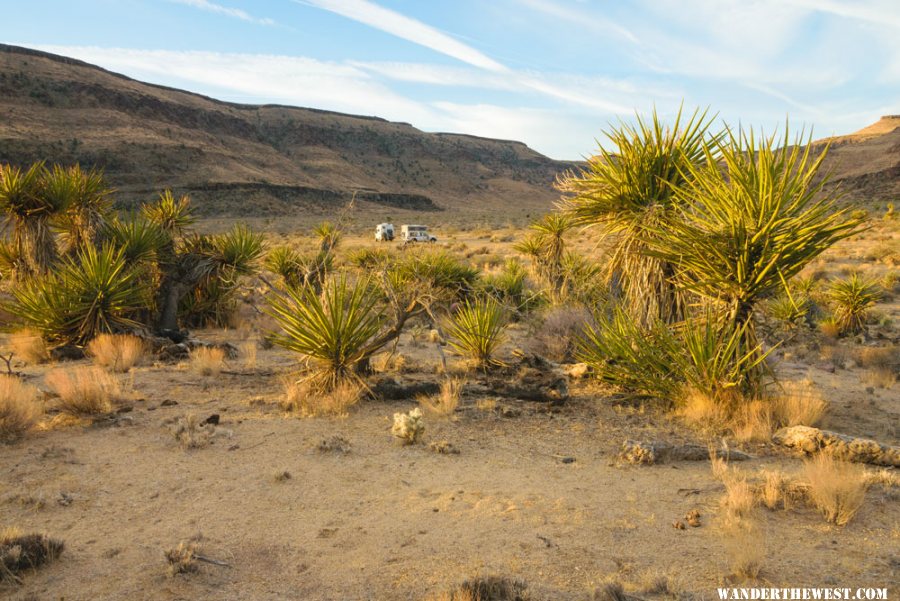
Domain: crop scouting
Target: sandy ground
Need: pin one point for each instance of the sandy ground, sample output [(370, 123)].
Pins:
[(390, 522)]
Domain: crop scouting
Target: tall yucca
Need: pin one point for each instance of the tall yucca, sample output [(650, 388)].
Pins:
[(546, 246), (629, 191), (28, 214), (852, 299), (173, 216), (86, 197), (477, 330), (92, 292), (749, 223), (335, 329)]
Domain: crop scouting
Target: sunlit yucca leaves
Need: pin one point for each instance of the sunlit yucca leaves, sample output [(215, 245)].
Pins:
[(546, 246), (329, 236), (288, 263), (238, 250), (139, 238), (752, 223), (86, 197), (628, 191), (336, 329), (370, 258), (27, 212), (91, 292), (790, 310), (852, 298), (511, 287), (477, 330), (442, 274), (664, 361), (173, 216)]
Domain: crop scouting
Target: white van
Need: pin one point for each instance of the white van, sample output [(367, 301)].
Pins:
[(384, 232), (416, 233)]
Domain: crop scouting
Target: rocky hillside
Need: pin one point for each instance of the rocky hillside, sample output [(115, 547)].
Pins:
[(246, 160), (866, 164)]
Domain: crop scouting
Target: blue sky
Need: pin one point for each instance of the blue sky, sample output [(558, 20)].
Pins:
[(552, 73)]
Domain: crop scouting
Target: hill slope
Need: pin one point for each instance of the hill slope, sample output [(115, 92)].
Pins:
[(866, 164), (252, 160)]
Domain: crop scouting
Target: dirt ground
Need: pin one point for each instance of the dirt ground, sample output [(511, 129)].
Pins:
[(535, 492)]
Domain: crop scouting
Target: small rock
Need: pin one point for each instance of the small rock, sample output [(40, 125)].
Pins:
[(568, 460), (577, 370), (693, 518), (443, 447), (678, 525), (168, 403), (212, 419)]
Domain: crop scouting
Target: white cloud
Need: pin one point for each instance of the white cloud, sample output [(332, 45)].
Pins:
[(224, 10), (407, 28)]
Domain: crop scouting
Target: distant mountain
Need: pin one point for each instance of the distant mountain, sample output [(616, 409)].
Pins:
[(866, 164), (248, 160)]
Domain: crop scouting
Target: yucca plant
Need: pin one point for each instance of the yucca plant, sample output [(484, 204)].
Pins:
[(748, 225), (140, 239), (511, 288), (546, 246), (336, 329), (369, 258), (790, 310), (287, 263), (86, 197), (630, 193), (666, 360), (477, 330), (852, 298), (329, 236), (173, 216), (28, 214), (91, 292)]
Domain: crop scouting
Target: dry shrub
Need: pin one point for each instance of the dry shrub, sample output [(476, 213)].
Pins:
[(248, 350), (486, 588), (880, 377), (738, 500), (182, 559), (85, 390), (798, 404), (116, 352), (19, 409), (193, 433), (207, 360), (836, 488), (745, 547), (29, 346), (308, 401), (835, 354), (718, 465), (877, 357), (554, 338), (773, 490), (884, 477), (446, 401), (753, 421), (20, 552)]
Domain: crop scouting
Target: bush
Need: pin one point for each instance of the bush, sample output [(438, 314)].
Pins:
[(84, 391), (836, 488), (207, 360), (28, 345), (19, 408), (310, 401), (116, 352), (556, 333), (477, 330), (852, 299)]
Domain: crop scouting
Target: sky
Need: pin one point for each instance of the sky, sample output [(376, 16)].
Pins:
[(551, 73)]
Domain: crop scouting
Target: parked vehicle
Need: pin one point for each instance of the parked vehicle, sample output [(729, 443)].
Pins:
[(415, 233), (384, 232)]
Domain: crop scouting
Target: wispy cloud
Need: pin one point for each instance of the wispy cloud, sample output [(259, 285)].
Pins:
[(235, 13), (581, 18), (407, 28)]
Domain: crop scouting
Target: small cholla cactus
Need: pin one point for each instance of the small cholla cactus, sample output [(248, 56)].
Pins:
[(408, 427)]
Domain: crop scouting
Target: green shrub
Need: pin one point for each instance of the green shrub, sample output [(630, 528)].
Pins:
[(852, 298), (477, 330)]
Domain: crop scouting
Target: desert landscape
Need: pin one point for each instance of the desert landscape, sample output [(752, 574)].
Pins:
[(669, 368)]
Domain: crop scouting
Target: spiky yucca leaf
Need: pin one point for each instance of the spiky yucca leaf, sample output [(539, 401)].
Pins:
[(477, 330), (329, 236), (852, 298), (28, 212), (92, 292), (336, 328), (88, 204), (511, 287), (370, 258), (288, 263), (442, 273), (139, 238)]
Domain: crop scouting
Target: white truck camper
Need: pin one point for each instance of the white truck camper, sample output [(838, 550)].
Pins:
[(384, 232), (415, 233)]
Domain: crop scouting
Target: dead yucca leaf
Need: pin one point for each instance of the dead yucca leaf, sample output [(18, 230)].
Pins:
[(19, 408), (28, 345), (85, 390), (836, 488), (116, 352), (207, 360)]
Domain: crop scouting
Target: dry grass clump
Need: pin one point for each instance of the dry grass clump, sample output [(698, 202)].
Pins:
[(182, 559), (85, 391), (798, 404), (446, 401), (554, 337), (248, 350), (836, 488), (880, 377), (20, 552), (207, 360), (303, 398), (19, 409), (739, 499), (745, 547), (193, 433), (877, 356), (486, 588), (29, 346), (116, 352)]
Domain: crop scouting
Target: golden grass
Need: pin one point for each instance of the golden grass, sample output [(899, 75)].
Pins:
[(84, 391), (29, 346), (207, 360), (248, 350), (798, 404), (301, 398), (836, 488), (116, 352), (745, 547), (739, 498), (446, 401), (19, 408), (772, 492), (880, 377)]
